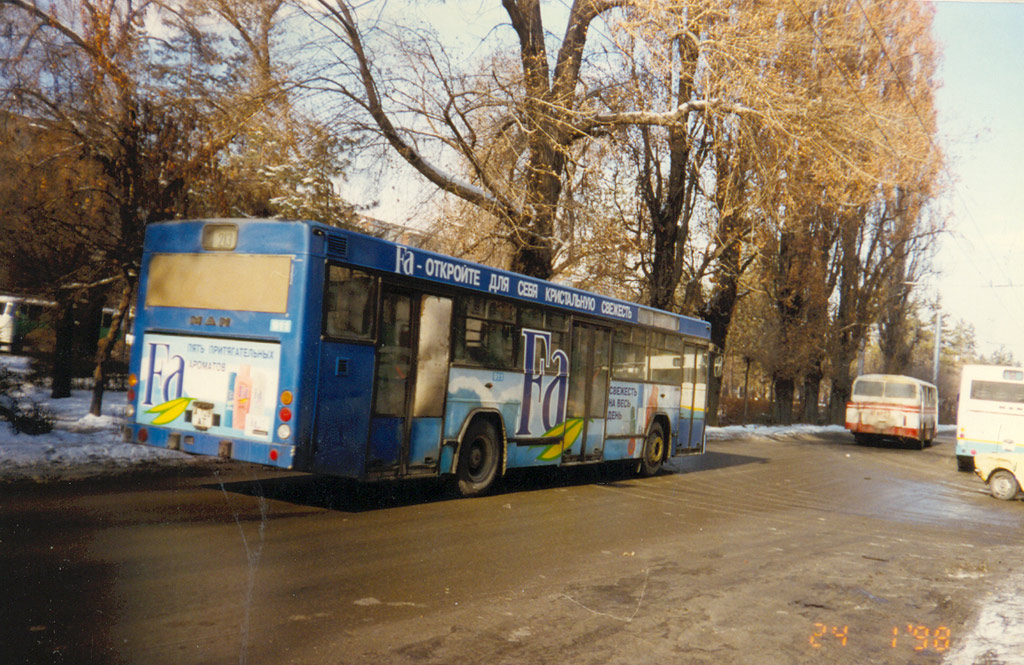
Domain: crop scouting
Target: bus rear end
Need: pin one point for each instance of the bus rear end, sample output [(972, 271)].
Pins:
[(990, 412), (214, 366), (887, 406)]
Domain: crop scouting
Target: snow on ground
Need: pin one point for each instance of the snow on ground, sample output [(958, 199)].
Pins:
[(80, 444), (998, 634)]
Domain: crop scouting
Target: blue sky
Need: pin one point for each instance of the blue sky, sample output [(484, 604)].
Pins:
[(980, 263)]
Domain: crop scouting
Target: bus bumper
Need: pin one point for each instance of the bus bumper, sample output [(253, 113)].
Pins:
[(243, 450)]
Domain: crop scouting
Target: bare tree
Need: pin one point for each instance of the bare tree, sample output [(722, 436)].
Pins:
[(84, 73), (535, 110)]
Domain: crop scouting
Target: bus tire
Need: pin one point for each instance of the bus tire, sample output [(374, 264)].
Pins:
[(654, 451), (479, 459), (965, 463), (1003, 485)]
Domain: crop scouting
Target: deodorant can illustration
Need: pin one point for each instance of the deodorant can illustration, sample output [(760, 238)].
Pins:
[(243, 392), (229, 402)]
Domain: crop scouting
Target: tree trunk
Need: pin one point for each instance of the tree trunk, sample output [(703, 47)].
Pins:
[(718, 312), (106, 346), (63, 349), (839, 395), (784, 389), (811, 390)]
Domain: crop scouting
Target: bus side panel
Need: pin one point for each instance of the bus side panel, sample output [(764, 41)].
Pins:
[(593, 448), (344, 401), (668, 403), (425, 442), (626, 413), (631, 409), (617, 448), (471, 390)]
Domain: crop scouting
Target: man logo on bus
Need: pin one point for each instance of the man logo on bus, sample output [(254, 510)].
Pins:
[(542, 387)]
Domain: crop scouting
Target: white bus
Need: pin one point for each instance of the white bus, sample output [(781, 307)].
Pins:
[(889, 406), (9, 334), (990, 412)]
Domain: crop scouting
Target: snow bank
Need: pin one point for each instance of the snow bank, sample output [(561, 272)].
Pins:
[(80, 444)]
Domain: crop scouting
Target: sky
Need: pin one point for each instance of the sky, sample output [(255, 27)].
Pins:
[(980, 263)]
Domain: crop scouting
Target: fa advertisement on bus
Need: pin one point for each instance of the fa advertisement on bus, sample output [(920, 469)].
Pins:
[(218, 386)]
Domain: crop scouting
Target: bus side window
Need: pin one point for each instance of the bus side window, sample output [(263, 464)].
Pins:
[(485, 333), (349, 303), (629, 355), (664, 358)]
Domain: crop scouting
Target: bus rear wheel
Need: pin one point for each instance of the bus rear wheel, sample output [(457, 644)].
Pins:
[(479, 457), (1003, 485), (654, 451)]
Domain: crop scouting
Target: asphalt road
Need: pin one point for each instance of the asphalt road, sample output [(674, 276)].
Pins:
[(803, 550)]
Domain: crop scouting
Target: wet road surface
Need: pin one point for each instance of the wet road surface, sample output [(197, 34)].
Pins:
[(800, 550)]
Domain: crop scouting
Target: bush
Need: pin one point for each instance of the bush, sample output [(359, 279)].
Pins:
[(36, 419)]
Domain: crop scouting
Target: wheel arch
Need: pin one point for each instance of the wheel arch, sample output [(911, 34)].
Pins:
[(661, 418), (493, 416)]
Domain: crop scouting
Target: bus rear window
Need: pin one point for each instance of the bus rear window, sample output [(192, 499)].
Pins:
[(868, 388), (998, 391), (240, 282), (904, 390)]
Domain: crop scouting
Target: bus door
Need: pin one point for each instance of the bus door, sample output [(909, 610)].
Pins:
[(693, 397), (587, 405), (410, 382), (346, 369)]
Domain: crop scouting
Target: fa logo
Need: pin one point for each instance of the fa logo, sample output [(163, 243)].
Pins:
[(165, 371), (405, 261), (544, 386)]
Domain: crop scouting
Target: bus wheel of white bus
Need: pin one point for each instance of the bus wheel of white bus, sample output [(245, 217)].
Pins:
[(964, 463), (479, 458), (654, 451), (1003, 485)]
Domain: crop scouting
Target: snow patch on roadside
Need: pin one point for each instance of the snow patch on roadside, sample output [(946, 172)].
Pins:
[(80, 444), (998, 634)]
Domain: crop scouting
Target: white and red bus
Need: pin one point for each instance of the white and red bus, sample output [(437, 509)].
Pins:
[(889, 406)]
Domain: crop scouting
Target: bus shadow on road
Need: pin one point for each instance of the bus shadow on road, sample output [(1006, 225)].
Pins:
[(342, 494), (894, 444), (345, 495), (713, 460)]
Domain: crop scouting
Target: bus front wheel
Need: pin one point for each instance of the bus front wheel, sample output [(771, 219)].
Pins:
[(1003, 485), (479, 458), (654, 451)]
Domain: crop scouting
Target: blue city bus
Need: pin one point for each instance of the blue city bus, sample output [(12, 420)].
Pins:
[(303, 346)]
